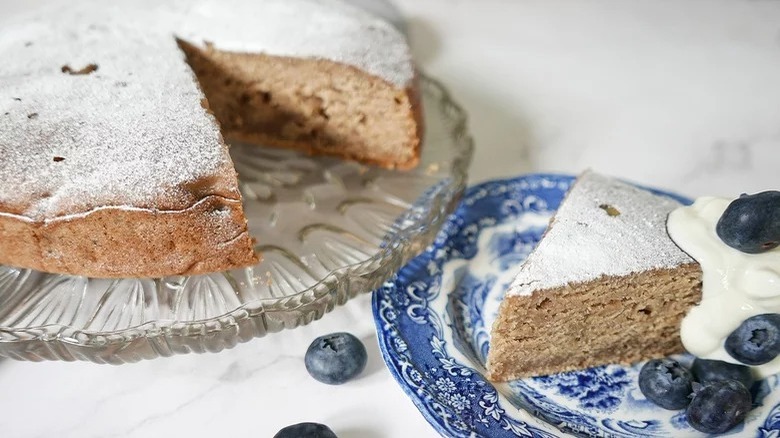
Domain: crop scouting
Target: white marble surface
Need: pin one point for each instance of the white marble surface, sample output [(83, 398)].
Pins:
[(680, 94)]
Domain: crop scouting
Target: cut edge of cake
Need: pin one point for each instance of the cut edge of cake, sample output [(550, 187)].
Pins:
[(302, 104), (604, 285)]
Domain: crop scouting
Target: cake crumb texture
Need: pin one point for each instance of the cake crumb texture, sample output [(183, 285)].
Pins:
[(608, 320)]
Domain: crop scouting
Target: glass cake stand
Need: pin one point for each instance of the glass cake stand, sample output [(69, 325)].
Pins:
[(328, 230)]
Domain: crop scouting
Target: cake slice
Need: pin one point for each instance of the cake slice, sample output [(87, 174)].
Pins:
[(605, 284)]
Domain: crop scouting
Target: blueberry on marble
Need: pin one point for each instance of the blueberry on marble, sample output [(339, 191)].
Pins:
[(751, 223), (306, 430), (756, 341), (717, 407), (666, 383), (335, 358), (705, 371)]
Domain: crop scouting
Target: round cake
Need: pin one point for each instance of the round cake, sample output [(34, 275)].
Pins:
[(112, 118)]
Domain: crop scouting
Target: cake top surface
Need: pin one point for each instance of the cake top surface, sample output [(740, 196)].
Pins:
[(323, 29), (98, 106), (604, 227)]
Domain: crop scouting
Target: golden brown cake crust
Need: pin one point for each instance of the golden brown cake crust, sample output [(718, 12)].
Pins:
[(110, 242)]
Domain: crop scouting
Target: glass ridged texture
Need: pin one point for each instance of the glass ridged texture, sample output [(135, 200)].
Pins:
[(328, 230)]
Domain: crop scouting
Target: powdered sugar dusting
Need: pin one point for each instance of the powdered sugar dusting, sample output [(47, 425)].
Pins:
[(324, 29), (603, 227), (133, 132)]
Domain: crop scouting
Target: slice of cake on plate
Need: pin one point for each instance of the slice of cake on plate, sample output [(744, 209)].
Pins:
[(605, 284)]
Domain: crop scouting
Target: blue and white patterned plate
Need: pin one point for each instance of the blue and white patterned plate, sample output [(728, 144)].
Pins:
[(433, 321)]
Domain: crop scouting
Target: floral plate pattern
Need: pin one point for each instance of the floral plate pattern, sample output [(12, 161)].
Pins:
[(433, 321)]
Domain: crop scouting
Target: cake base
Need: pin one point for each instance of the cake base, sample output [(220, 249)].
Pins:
[(112, 242)]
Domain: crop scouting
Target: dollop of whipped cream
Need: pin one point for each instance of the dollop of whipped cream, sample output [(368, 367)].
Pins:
[(735, 286)]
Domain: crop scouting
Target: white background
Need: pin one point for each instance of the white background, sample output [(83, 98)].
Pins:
[(683, 95)]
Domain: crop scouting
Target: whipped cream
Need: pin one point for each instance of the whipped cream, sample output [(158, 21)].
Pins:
[(735, 286)]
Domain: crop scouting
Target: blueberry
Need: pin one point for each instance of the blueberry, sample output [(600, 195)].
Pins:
[(335, 358), (718, 406), (306, 430), (751, 223), (666, 383), (705, 371), (756, 341)]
